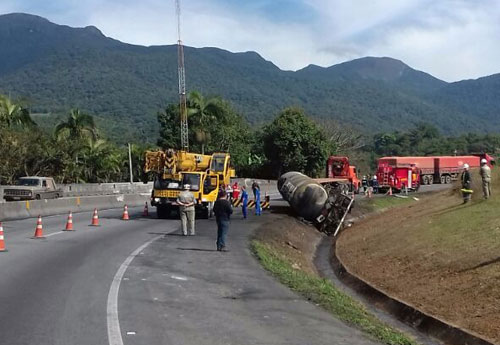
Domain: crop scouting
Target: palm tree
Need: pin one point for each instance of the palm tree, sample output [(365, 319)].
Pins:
[(12, 114), (203, 111), (78, 126), (101, 162)]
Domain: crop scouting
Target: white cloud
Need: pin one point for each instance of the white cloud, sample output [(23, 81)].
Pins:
[(451, 39)]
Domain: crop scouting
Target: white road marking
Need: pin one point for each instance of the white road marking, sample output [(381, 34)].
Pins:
[(114, 332), (131, 333), (54, 233), (179, 278)]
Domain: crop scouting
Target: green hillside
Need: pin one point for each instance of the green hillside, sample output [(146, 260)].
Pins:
[(54, 68)]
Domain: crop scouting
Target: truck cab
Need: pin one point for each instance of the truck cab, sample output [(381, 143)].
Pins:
[(339, 167), (32, 188)]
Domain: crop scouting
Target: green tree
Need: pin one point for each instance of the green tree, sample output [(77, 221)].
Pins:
[(294, 142), (221, 127), (101, 161), (77, 126), (202, 112), (169, 121), (13, 114)]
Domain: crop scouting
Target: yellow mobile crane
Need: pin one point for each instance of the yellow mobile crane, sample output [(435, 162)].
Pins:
[(173, 169)]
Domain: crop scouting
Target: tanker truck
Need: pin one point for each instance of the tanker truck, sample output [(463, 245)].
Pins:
[(324, 205)]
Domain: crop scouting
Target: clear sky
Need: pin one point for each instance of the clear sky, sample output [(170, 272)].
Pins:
[(451, 39)]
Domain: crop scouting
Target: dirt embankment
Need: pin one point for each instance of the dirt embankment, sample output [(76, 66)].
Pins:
[(435, 254), (294, 239)]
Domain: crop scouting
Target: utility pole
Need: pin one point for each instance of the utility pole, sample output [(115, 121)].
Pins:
[(130, 164), (182, 82)]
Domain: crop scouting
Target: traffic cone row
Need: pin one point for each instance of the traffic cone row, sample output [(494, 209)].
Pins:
[(69, 224)]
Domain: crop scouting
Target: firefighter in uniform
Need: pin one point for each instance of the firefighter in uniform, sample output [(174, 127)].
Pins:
[(486, 177), (466, 184)]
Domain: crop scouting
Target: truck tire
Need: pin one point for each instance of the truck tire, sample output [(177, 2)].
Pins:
[(37, 197), (448, 179), (443, 179), (425, 180), (431, 179)]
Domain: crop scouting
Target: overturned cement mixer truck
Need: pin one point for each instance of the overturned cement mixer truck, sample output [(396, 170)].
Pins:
[(325, 204)]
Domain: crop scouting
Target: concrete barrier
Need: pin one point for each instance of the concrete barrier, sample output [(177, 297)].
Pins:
[(28, 209), (87, 189)]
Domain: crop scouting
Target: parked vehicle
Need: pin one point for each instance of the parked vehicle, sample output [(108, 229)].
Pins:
[(32, 188), (398, 176), (430, 170), (339, 167)]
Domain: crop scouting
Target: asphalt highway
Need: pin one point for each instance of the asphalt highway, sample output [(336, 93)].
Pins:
[(139, 282)]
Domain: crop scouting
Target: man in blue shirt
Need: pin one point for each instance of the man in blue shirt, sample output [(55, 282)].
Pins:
[(257, 202), (244, 201)]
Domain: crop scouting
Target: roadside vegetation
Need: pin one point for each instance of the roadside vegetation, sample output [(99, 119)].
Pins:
[(322, 292), (78, 149), (446, 253), (383, 203)]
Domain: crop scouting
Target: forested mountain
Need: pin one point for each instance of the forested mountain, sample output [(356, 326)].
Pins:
[(55, 68)]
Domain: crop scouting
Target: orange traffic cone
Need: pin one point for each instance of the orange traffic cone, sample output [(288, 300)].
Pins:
[(2, 241), (39, 229), (145, 213), (69, 223), (125, 213), (95, 218)]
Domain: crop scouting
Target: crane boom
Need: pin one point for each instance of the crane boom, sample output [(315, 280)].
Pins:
[(182, 83)]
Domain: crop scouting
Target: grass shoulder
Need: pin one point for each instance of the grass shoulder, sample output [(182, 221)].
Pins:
[(325, 294), (438, 255), (379, 204)]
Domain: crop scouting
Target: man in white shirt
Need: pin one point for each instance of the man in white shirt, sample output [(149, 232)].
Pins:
[(186, 203)]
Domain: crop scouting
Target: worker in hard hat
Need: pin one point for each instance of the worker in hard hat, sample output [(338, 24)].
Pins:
[(485, 172), (186, 202), (244, 201), (375, 184), (466, 184)]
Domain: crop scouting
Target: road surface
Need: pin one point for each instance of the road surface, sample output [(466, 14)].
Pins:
[(139, 282)]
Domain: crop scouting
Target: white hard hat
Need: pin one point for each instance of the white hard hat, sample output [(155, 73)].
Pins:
[(466, 166), (374, 177), (186, 186), (484, 161)]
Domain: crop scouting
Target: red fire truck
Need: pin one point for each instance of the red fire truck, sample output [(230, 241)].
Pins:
[(339, 167), (396, 175)]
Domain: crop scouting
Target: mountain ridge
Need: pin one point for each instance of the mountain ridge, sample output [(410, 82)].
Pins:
[(56, 67)]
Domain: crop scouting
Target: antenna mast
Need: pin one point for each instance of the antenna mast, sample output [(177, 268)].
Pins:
[(182, 82)]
